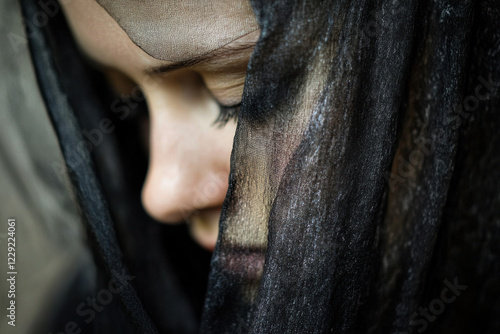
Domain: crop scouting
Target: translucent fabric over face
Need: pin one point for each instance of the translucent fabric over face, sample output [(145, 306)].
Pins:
[(176, 30), (347, 210), (364, 174)]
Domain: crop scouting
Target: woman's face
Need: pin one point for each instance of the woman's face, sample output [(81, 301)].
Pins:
[(189, 154)]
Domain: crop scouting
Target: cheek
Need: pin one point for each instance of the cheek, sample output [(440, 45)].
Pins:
[(189, 165), (186, 145), (224, 144), (183, 133), (190, 137)]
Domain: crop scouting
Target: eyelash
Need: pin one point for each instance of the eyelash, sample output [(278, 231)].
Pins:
[(226, 114)]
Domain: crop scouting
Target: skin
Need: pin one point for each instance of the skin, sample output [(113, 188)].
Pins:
[(189, 161)]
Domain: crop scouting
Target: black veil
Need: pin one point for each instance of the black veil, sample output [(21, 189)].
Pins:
[(364, 189), (354, 149)]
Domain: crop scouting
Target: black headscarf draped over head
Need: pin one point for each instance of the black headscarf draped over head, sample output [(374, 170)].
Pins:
[(364, 193)]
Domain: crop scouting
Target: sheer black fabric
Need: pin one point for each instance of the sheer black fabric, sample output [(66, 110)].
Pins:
[(155, 26), (340, 98), (365, 177)]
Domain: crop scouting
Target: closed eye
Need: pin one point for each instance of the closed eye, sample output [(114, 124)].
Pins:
[(226, 114)]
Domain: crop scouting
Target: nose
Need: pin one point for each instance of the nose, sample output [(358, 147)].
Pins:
[(188, 164)]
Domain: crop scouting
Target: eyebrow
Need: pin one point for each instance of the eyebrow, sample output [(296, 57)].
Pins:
[(223, 52)]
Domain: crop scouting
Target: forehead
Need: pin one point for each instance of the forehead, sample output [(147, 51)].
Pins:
[(104, 41), (174, 30)]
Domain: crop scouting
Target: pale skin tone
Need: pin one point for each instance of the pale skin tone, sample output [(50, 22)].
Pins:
[(189, 155)]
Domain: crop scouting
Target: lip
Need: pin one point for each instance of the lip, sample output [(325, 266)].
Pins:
[(204, 227), (244, 261)]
